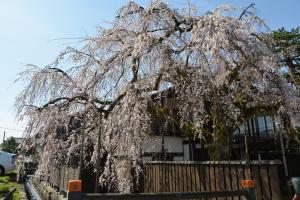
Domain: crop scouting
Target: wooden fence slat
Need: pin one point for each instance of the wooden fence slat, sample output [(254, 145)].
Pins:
[(152, 186), (177, 178), (58, 177), (227, 181), (188, 178), (162, 178), (183, 182), (146, 178), (167, 189), (256, 177), (184, 172), (208, 179), (166, 182), (157, 178), (241, 175), (265, 182), (194, 176), (217, 177), (247, 172), (169, 176), (175, 168), (62, 178), (152, 179), (180, 178), (212, 179), (197, 178), (202, 178), (221, 180), (149, 177), (274, 180), (77, 173), (234, 179), (173, 175), (66, 178)]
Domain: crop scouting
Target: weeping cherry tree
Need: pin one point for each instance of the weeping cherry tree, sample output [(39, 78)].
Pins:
[(220, 69)]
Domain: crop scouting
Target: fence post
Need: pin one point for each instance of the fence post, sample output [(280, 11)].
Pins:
[(74, 190), (249, 185)]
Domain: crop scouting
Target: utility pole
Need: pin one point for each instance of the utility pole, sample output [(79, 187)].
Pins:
[(81, 164), (98, 155), (283, 154), (188, 7), (4, 136), (246, 147)]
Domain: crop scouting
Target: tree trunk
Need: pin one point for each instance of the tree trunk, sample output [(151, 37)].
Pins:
[(124, 176), (222, 144), (222, 135), (98, 155)]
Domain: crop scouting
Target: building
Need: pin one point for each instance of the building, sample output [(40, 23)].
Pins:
[(261, 140), (254, 139)]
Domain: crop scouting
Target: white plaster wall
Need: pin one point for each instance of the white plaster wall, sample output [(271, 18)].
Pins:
[(147, 158), (186, 152), (178, 158), (172, 144), (153, 144)]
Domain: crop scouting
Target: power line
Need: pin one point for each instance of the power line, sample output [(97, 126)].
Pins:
[(10, 129)]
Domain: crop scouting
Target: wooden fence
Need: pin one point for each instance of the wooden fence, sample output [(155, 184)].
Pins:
[(190, 176), (212, 176), (59, 177)]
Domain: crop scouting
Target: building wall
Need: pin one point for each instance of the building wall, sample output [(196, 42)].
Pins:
[(179, 148), (171, 145)]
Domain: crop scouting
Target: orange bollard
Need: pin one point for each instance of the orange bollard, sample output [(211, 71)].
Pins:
[(74, 190), (249, 185)]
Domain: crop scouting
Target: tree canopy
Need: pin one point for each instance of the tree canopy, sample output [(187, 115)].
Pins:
[(10, 145), (287, 45)]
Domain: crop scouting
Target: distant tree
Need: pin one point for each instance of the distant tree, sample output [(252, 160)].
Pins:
[(10, 145), (287, 45)]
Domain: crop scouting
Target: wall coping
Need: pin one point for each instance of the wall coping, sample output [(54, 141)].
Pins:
[(230, 162)]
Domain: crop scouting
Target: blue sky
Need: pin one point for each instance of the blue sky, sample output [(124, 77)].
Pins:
[(31, 32)]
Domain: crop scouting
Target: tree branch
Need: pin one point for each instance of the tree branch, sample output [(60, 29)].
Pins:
[(245, 11)]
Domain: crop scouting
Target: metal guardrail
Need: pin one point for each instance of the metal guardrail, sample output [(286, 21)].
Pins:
[(168, 196), (75, 193)]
